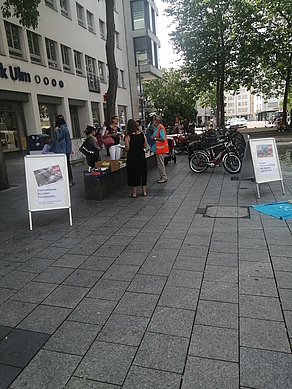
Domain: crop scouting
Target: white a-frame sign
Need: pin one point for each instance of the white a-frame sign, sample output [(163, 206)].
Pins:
[(261, 162)]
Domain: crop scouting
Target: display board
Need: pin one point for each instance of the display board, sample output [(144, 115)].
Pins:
[(261, 162), (47, 183)]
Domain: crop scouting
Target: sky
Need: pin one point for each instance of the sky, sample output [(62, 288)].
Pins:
[(167, 56)]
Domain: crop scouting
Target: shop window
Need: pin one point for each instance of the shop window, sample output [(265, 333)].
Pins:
[(90, 21), (92, 78), (78, 63), (65, 51), (95, 114), (101, 71), (13, 40), (80, 14), (51, 53), (64, 5), (34, 47), (101, 29)]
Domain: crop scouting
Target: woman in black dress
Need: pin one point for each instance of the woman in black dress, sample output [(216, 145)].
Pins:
[(135, 143)]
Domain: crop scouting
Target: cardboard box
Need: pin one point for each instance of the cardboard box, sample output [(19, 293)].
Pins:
[(114, 165)]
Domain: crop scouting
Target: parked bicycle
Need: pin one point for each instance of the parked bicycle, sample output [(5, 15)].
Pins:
[(212, 156)]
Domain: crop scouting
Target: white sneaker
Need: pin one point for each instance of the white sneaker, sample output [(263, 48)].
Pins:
[(161, 181)]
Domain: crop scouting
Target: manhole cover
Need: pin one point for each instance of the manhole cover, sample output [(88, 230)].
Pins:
[(227, 212)]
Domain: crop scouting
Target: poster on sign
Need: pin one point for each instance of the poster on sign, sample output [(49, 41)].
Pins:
[(47, 183), (265, 160)]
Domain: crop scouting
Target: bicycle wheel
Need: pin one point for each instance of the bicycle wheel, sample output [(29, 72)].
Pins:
[(231, 163), (198, 162)]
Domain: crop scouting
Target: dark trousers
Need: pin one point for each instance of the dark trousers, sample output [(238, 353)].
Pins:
[(70, 175)]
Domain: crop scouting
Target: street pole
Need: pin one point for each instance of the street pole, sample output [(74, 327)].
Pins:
[(141, 95)]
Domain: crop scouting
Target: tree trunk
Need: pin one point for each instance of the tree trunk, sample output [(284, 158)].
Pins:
[(4, 184), (111, 94), (286, 92)]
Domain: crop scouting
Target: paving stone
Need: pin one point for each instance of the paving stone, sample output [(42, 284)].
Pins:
[(253, 243), (288, 319), (120, 272), (142, 378), (70, 260), (177, 297), (218, 314), (193, 250), (94, 311), (66, 296), (82, 277), (204, 373), (84, 383), (52, 252), (286, 298), (280, 250), (138, 304), (214, 343), (256, 269), (172, 321), (259, 286), (154, 266), (13, 312), (260, 307), (221, 273), (162, 352), (284, 279), (107, 362), (189, 263), (265, 369), (227, 247), (219, 291), (282, 263), (45, 319), (48, 370), (73, 338), (224, 259), (183, 278), (19, 347), (131, 259), (253, 333), (7, 266), (34, 292), (145, 283), (54, 275), (254, 255), (123, 329), (16, 280), (8, 375), (97, 263), (108, 289)]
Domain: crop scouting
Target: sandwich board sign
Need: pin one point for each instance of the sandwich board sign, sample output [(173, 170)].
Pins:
[(261, 162), (47, 183)]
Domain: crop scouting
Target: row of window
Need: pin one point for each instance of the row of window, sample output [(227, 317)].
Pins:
[(58, 56), (85, 18)]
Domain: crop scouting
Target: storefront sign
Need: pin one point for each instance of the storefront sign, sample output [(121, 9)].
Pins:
[(16, 74)]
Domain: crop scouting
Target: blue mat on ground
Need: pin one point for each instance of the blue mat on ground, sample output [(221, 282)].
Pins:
[(282, 210)]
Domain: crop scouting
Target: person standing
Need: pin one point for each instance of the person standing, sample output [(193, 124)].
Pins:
[(160, 147), (135, 143), (90, 133), (114, 131), (62, 135)]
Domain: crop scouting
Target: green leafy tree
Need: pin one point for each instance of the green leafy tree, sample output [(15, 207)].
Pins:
[(171, 96)]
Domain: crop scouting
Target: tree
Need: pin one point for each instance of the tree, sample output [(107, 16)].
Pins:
[(268, 34), (111, 62), (171, 96)]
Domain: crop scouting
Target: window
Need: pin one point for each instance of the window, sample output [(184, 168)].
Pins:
[(13, 40), (51, 53), (50, 3), (143, 50), (34, 47), (80, 14), (65, 51), (90, 21), (101, 29), (122, 79), (64, 8), (140, 16), (101, 71), (117, 39), (78, 63), (92, 79)]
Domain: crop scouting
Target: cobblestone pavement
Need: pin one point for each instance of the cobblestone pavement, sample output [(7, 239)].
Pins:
[(147, 292)]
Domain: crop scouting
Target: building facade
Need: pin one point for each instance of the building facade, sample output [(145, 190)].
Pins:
[(61, 67)]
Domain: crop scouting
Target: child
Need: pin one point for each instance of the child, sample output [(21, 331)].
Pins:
[(46, 145)]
